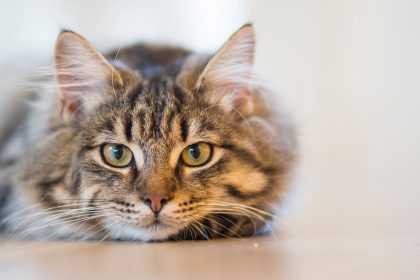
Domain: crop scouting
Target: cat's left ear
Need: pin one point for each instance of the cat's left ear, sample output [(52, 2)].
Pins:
[(84, 76), (227, 78)]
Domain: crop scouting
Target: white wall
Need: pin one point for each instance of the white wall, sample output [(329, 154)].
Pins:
[(353, 71), (30, 27)]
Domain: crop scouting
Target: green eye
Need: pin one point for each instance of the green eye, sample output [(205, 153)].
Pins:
[(197, 154), (116, 155)]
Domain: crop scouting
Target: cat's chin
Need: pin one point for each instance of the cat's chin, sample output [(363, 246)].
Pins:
[(155, 232)]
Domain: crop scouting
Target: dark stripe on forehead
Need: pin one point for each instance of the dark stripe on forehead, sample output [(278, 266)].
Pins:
[(184, 130), (134, 173), (179, 95), (108, 125), (158, 112), (134, 95), (169, 117), (128, 127), (141, 116), (205, 125), (161, 100), (161, 105)]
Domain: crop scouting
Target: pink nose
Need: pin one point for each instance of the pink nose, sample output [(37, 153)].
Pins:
[(155, 202)]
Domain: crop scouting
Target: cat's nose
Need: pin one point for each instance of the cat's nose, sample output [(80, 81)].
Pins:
[(155, 202)]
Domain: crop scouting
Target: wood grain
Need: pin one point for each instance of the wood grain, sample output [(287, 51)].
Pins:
[(266, 257)]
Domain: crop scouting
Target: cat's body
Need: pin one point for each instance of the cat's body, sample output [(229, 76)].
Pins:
[(205, 155)]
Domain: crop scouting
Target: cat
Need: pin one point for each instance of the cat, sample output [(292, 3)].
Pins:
[(147, 143)]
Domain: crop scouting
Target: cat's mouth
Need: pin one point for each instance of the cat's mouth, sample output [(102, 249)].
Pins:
[(156, 228), (129, 221), (157, 222)]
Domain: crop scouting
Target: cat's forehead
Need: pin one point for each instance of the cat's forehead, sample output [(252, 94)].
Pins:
[(156, 114), (157, 94)]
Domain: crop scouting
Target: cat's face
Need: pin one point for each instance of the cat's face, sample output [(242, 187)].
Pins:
[(191, 155), (163, 159)]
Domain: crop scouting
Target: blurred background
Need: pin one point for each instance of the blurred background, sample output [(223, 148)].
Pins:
[(348, 72)]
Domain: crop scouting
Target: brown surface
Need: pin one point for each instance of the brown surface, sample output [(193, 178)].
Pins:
[(257, 258)]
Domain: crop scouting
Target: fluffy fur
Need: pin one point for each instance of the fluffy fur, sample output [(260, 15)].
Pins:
[(155, 100)]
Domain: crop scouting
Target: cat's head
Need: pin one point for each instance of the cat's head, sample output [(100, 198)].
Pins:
[(190, 153)]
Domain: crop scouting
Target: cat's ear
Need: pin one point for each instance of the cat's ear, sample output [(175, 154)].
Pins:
[(83, 75), (228, 76)]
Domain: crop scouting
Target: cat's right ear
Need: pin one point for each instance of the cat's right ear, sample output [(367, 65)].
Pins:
[(83, 75), (228, 76)]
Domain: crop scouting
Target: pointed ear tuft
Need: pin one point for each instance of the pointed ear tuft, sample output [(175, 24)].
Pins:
[(82, 73), (227, 78)]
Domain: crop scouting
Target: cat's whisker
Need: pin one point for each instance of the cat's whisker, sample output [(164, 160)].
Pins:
[(30, 230), (192, 231), (184, 227), (49, 214), (76, 223), (235, 224), (58, 214), (214, 210), (219, 224), (230, 208), (242, 206), (49, 211), (17, 213), (109, 231), (251, 216), (237, 214), (101, 228), (189, 228), (196, 225), (80, 228)]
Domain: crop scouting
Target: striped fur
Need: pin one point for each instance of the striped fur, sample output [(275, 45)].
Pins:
[(155, 100)]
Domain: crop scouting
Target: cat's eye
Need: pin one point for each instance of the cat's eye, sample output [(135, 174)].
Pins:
[(116, 155), (197, 154)]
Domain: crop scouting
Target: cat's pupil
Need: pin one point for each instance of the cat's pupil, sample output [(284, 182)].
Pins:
[(194, 152), (118, 151)]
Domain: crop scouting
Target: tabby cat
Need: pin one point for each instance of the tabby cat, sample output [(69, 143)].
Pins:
[(150, 142)]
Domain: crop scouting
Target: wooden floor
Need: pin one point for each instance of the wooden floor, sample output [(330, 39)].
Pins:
[(266, 257)]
